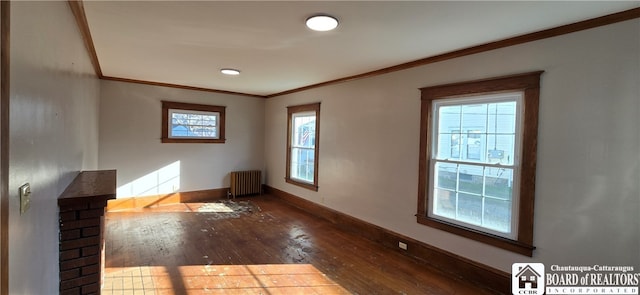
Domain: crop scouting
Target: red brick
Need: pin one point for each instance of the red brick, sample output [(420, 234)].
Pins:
[(85, 214), (91, 289), (74, 291), (98, 204), (73, 207), (80, 223), (69, 254), (68, 216), (69, 274), (80, 262), (66, 235), (87, 270), (81, 281), (79, 243), (90, 231), (91, 250)]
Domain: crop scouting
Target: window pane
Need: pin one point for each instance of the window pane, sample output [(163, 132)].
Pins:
[(304, 130), (179, 130), (206, 131), (502, 117), (497, 215), (499, 183), (195, 119), (178, 116), (501, 149), (449, 119), (445, 203), (449, 138), (475, 143), (303, 144), (446, 175), (474, 118), (471, 179), (209, 121), (195, 124), (302, 164), (474, 194), (455, 144), (470, 208), (501, 133), (478, 132)]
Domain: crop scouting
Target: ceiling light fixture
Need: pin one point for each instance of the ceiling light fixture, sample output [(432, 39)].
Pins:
[(322, 22), (230, 72)]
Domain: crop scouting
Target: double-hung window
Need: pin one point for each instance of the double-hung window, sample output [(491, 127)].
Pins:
[(196, 123), (477, 162), (475, 188), (302, 145)]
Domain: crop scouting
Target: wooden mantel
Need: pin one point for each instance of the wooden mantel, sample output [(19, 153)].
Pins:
[(82, 206), (90, 186)]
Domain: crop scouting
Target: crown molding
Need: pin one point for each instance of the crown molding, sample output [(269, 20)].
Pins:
[(77, 8), (535, 36), (109, 78)]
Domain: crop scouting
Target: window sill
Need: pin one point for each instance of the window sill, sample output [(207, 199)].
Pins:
[(500, 242), (302, 184), (192, 140)]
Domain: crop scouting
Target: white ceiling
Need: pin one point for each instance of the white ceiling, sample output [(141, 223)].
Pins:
[(186, 43)]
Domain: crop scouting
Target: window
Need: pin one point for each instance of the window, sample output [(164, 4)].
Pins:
[(478, 158), (194, 123), (473, 189), (302, 145)]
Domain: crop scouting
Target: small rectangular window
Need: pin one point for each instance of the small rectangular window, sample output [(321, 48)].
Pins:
[(183, 122), (194, 124), (302, 145)]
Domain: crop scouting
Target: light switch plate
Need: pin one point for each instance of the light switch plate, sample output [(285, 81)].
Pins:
[(25, 197)]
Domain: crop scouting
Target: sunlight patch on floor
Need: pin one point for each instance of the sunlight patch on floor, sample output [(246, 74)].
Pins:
[(128, 280), (215, 208), (219, 279)]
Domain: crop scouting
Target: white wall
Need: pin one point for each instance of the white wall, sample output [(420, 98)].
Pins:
[(587, 196), (130, 122), (54, 134)]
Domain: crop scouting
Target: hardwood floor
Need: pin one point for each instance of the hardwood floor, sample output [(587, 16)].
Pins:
[(263, 246)]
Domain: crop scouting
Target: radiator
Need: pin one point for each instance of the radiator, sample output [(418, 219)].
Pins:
[(245, 183)]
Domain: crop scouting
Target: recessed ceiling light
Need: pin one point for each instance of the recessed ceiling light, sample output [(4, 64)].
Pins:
[(322, 22), (230, 72)]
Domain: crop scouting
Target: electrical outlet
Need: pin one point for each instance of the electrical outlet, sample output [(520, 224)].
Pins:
[(25, 197), (402, 245)]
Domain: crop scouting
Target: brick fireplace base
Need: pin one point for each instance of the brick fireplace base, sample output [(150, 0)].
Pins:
[(82, 206)]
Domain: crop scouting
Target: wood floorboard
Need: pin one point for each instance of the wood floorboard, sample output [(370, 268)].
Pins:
[(268, 247)]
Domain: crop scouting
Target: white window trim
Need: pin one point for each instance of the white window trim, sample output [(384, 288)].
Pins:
[(480, 99), (294, 146)]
